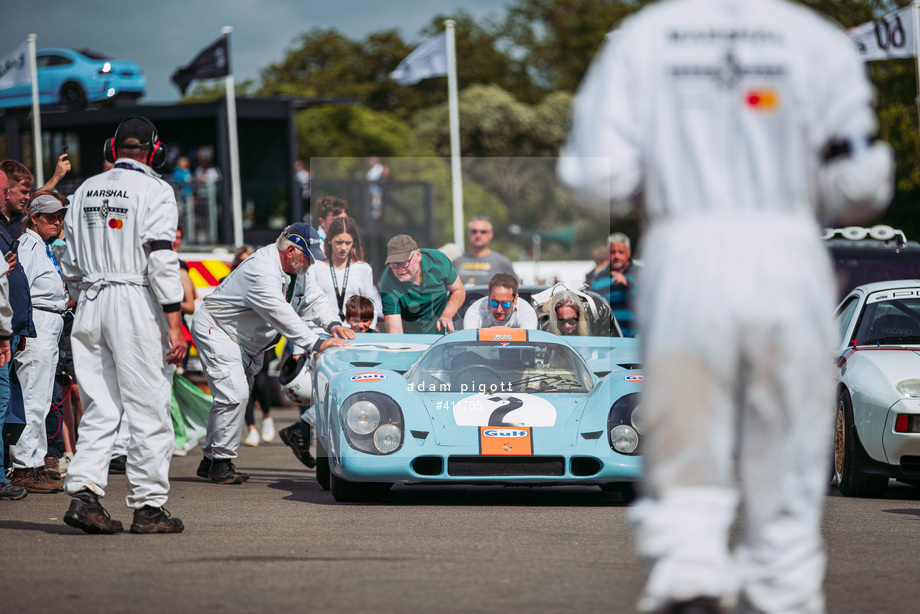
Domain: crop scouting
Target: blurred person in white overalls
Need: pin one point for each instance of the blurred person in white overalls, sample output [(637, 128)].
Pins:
[(740, 125)]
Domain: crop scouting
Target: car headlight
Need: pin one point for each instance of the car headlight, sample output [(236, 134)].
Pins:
[(106, 68), (624, 439), (372, 423), (625, 424), (362, 417), (910, 387)]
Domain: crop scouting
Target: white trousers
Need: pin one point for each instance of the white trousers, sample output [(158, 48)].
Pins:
[(119, 344), (229, 371), (736, 327), (35, 368)]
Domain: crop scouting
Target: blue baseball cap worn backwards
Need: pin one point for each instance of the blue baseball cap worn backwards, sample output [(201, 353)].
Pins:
[(306, 238)]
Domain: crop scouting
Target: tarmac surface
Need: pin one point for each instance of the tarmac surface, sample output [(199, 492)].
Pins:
[(280, 543)]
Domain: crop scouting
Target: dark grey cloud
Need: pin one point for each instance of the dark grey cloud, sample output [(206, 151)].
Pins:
[(165, 34)]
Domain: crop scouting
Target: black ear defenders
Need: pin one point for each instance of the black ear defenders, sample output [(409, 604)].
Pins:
[(157, 156)]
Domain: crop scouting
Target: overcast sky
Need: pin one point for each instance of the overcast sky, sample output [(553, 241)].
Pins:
[(162, 35)]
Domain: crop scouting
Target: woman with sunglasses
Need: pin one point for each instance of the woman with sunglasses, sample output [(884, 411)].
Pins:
[(567, 315), (501, 307)]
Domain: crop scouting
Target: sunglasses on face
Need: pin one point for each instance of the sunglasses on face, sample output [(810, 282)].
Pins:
[(569, 321), (476, 231), (504, 304)]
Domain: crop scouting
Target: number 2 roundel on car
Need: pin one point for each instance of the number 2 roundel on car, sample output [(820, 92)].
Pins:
[(504, 409)]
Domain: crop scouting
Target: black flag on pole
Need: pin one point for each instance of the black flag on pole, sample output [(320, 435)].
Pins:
[(212, 62)]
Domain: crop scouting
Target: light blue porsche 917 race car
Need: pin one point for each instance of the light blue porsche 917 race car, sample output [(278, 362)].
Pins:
[(490, 406)]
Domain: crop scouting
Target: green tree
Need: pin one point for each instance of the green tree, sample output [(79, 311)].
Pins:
[(555, 40)]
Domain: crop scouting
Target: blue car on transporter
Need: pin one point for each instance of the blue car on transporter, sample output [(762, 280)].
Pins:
[(489, 406), (75, 78)]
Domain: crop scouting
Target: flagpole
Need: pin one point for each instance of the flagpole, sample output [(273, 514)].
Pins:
[(233, 142), (456, 178), (36, 115)]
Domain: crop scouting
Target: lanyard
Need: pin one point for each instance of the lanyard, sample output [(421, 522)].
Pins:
[(53, 259), (335, 284)]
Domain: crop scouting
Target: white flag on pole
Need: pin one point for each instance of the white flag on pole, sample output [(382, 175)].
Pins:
[(14, 68), (427, 60), (891, 36)]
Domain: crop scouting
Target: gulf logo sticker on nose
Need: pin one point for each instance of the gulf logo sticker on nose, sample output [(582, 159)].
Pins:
[(635, 378), (764, 99), (368, 376), (116, 224)]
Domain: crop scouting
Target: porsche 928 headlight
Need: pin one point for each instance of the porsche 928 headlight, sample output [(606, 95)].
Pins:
[(372, 423), (625, 424), (909, 387)]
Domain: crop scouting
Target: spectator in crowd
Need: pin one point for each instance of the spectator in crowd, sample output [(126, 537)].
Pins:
[(187, 306), (240, 319), (182, 178), (17, 180), (377, 173), (21, 180), (304, 180), (7, 490), (501, 307), (126, 281), (601, 257), (261, 392), (60, 170), (36, 364), (420, 290), (360, 314), (66, 397), (344, 272), (327, 209), (738, 125), (616, 282), (567, 315), (242, 253), (477, 266)]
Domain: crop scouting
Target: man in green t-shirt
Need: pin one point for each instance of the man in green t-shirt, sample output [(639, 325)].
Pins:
[(420, 289)]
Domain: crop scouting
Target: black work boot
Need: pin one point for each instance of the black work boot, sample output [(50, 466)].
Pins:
[(297, 438), (224, 472), (87, 514), (204, 467), (150, 519)]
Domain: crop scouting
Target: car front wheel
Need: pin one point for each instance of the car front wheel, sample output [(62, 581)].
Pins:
[(322, 466), (73, 97), (344, 491), (849, 479)]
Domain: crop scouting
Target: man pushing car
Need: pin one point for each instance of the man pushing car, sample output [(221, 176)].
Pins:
[(240, 320)]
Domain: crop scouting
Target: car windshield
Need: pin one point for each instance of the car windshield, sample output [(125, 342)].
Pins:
[(887, 320), (501, 367)]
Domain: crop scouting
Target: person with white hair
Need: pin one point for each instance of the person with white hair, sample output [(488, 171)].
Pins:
[(616, 282), (241, 319)]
